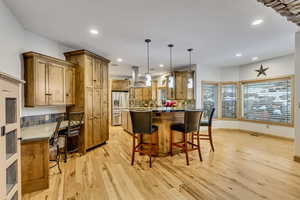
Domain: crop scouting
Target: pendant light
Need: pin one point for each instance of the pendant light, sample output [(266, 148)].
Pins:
[(190, 83), (171, 77), (148, 75)]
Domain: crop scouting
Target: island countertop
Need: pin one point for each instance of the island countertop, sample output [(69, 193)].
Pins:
[(159, 109), (40, 132)]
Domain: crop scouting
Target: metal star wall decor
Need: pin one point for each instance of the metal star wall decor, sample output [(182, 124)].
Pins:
[(262, 71)]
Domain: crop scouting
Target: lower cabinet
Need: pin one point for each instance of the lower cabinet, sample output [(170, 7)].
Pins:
[(35, 166)]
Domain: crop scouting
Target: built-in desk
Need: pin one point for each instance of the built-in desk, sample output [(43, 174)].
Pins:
[(35, 156)]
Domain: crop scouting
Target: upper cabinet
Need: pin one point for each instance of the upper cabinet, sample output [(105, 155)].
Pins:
[(49, 81), (184, 90), (120, 85)]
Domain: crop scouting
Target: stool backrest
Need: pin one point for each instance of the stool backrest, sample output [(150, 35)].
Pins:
[(211, 116), (141, 121), (75, 120), (192, 119), (54, 139)]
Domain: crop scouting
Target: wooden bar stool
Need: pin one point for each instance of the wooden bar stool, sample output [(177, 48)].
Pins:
[(208, 123), (191, 124), (142, 124)]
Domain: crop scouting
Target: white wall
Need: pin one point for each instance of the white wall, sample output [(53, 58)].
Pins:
[(297, 75), (277, 67), (15, 40)]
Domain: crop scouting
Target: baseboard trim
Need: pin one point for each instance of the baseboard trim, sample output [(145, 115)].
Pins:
[(297, 159), (255, 133)]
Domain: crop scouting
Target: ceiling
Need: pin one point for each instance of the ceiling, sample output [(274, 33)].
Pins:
[(217, 30)]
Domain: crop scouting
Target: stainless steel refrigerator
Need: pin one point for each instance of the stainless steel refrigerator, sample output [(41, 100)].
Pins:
[(120, 101)]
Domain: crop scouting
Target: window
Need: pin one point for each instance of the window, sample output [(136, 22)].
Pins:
[(268, 101), (209, 98), (229, 100)]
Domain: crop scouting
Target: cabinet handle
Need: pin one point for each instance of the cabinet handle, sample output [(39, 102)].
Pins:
[(3, 131), (20, 139), (5, 90), (67, 94)]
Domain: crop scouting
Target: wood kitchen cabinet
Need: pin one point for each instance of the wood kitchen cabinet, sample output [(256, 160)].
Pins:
[(49, 81), (92, 96), (10, 162), (70, 85), (182, 92)]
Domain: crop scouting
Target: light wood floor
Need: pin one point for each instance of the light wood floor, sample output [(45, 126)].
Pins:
[(243, 167)]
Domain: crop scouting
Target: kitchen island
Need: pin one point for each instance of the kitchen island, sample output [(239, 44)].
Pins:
[(163, 118)]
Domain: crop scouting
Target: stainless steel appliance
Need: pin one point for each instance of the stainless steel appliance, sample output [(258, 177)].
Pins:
[(120, 101)]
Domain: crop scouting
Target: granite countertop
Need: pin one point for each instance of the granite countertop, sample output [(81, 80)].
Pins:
[(160, 109), (40, 132)]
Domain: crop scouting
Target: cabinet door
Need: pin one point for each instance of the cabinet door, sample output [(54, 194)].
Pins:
[(9, 143), (40, 83), (88, 75), (89, 140), (154, 90), (2, 148), (56, 84), (104, 104), (97, 116), (179, 86), (70, 85), (97, 74), (138, 94)]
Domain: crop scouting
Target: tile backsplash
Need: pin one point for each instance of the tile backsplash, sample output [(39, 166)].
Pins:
[(27, 121)]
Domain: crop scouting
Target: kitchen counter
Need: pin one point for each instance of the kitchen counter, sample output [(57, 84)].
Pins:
[(40, 132), (159, 109), (163, 118)]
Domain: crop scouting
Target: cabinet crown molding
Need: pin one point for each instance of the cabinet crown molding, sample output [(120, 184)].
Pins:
[(86, 52), (32, 54)]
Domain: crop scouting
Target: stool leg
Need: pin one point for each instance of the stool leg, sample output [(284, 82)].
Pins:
[(198, 144), (185, 149), (157, 144), (210, 138), (66, 148), (171, 143), (133, 149), (151, 150)]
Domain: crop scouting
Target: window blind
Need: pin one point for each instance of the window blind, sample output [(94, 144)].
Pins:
[(228, 92), (210, 99), (269, 101)]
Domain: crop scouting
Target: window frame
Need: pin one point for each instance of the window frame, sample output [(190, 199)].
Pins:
[(218, 96), (237, 101), (240, 99), (292, 79)]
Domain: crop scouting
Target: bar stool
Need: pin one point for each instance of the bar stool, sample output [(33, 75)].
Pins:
[(72, 133), (191, 124), (142, 124), (208, 123)]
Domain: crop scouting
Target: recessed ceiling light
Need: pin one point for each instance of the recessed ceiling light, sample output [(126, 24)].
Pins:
[(161, 65), (257, 22), (238, 55), (120, 60), (254, 58), (94, 31)]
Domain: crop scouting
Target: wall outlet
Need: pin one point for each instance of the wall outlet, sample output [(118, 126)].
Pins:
[(47, 117)]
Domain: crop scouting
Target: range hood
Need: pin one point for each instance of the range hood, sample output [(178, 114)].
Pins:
[(136, 82)]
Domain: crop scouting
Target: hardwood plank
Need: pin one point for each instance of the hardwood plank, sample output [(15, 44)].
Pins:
[(243, 167)]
